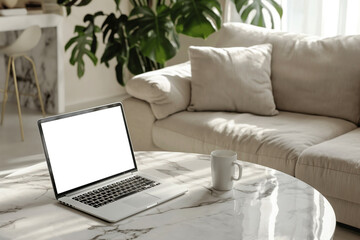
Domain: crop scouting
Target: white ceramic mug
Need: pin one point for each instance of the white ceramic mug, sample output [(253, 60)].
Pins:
[(223, 164)]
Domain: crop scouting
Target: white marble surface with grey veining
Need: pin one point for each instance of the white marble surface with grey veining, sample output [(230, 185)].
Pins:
[(265, 204)]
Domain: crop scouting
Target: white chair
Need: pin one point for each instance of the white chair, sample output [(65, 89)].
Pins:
[(28, 39)]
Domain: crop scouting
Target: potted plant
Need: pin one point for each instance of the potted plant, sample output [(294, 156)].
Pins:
[(147, 37)]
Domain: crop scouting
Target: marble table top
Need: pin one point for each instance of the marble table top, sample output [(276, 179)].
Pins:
[(265, 204)]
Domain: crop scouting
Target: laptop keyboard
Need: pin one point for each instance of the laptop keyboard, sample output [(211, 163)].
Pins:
[(112, 192)]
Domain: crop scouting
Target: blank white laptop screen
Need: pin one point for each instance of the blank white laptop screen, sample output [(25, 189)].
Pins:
[(88, 147)]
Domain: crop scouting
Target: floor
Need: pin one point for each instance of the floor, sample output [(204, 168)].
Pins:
[(14, 152)]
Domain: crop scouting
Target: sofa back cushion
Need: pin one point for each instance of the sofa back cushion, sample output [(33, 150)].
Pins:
[(309, 74)]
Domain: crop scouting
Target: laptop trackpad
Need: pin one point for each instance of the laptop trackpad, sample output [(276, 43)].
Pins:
[(141, 200)]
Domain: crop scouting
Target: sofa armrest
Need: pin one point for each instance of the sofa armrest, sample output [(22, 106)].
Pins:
[(167, 89), (140, 120)]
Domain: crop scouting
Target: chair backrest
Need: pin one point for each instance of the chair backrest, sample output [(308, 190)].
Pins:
[(27, 40)]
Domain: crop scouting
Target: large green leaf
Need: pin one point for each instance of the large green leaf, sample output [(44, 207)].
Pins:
[(153, 33), (136, 65), (197, 18), (114, 35), (245, 7), (84, 43), (93, 28)]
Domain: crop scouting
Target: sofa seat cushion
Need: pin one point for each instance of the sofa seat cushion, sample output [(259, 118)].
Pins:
[(275, 141), (333, 167)]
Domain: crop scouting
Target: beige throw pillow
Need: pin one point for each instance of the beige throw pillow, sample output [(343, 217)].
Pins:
[(232, 79)]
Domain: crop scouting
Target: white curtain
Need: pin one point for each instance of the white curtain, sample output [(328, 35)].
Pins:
[(315, 17)]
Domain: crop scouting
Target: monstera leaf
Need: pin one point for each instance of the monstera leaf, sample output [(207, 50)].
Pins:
[(245, 7), (114, 35), (196, 18), (153, 33), (85, 43)]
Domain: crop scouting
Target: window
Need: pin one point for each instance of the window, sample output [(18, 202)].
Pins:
[(315, 17)]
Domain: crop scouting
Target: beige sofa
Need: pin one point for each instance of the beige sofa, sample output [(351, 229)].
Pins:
[(314, 137)]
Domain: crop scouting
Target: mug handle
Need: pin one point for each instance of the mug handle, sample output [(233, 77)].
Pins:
[(240, 171)]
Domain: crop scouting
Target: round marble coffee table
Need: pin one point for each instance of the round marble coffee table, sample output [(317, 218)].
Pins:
[(265, 204)]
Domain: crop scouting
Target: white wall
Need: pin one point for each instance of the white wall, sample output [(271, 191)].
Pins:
[(98, 81), (185, 42)]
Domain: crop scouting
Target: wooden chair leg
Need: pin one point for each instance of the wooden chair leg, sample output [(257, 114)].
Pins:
[(17, 99), (5, 97), (37, 85)]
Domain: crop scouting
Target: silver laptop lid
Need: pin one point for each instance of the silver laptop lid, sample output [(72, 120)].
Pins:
[(86, 147)]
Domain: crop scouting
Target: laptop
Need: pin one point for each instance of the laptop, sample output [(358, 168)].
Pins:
[(92, 165)]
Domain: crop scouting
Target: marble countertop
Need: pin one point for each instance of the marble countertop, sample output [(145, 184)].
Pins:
[(265, 204)]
